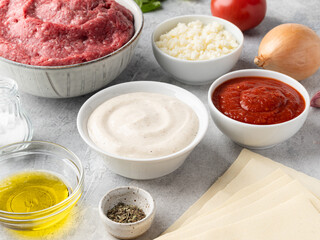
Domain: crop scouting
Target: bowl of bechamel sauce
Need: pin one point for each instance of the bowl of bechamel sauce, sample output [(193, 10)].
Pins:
[(143, 129), (40, 182), (258, 108)]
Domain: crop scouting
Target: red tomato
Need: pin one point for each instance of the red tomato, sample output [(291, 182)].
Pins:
[(245, 14)]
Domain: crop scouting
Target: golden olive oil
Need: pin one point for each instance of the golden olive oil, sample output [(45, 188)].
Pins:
[(31, 191)]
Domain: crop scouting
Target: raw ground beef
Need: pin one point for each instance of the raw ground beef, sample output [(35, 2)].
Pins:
[(62, 32)]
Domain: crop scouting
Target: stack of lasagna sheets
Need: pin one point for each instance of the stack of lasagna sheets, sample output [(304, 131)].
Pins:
[(256, 198)]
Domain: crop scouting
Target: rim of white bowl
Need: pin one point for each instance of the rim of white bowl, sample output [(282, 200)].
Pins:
[(149, 215), (137, 33), (259, 73), (204, 121), (196, 16)]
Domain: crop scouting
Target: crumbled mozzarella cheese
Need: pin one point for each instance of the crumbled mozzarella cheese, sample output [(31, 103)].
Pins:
[(197, 41)]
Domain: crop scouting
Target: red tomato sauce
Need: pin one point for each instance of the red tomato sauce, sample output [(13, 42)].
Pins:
[(258, 100)]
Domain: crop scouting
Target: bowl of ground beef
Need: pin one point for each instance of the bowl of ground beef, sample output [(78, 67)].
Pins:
[(61, 49)]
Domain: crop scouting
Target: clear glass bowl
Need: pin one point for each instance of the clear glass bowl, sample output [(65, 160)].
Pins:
[(41, 156)]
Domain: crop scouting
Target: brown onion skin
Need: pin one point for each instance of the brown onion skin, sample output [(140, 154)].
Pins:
[(292, 49)]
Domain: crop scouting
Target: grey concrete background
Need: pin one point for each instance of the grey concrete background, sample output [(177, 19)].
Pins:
[(55, 120)]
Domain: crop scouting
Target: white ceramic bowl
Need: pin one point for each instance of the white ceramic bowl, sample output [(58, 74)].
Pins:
[(201, 71), (258, 136), (130, 196), (77, 79), (143, 168)]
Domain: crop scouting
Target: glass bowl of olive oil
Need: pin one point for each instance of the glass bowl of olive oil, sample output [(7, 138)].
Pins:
[(40, 182)]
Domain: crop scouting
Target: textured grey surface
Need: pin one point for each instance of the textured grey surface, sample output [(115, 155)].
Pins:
[(55, 121)]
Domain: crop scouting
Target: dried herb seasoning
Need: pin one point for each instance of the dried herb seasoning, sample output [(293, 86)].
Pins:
[(123, 213)]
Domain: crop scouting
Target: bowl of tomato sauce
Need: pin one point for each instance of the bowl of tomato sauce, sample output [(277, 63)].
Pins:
[(258, 108)]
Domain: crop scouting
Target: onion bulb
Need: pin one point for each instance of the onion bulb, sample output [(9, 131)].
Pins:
[(292, 49)]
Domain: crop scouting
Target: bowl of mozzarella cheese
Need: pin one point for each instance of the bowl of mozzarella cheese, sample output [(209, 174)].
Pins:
[(197, 49)]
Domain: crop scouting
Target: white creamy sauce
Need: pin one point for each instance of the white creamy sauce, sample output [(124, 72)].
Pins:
[(143, 125)]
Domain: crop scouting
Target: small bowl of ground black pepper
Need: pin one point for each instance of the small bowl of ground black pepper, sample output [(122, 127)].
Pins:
[(127, 212)]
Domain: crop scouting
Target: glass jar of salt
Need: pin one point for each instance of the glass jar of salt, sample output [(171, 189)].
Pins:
[(15, 126)]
